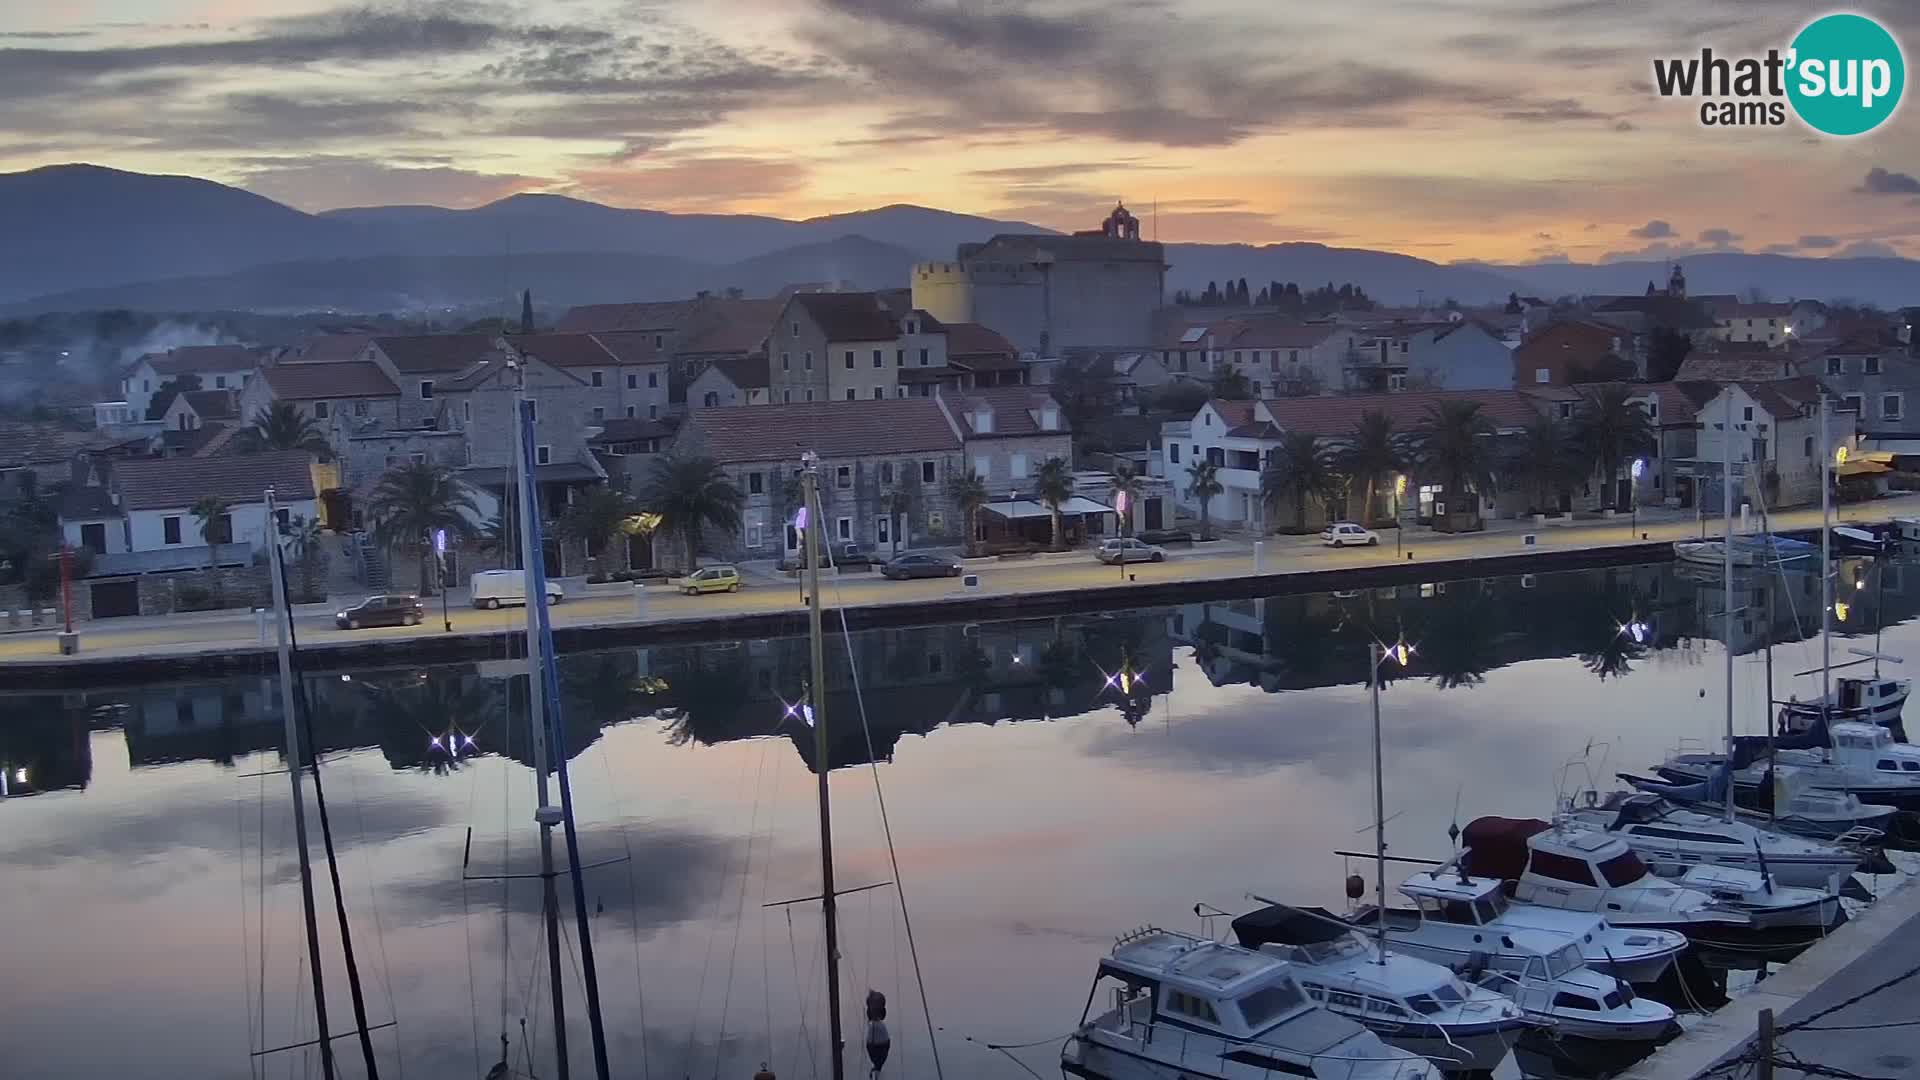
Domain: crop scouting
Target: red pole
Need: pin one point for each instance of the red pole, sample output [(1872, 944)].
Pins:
[(66, 583)]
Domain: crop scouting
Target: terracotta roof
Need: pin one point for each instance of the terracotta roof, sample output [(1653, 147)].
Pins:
[(1337, 414), (633, 429), (198, 359), (339, 379), (745, 372), (1753, 311), (654, 315), (213, 404), (329, 349), (86, 503), (1679, 404), (1275, 334), (1016, 410), (23, 444), (224, 440), (913, 376), (425, 354), (1258, 430), (857, 316), (631, 347), (833, 429), (732, 326), (1233, 413), (564, 350), (1571, 331), (970, 339), (172, 483)]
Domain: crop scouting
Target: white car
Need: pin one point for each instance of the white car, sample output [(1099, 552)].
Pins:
[(1126, 549), (1346, 534)]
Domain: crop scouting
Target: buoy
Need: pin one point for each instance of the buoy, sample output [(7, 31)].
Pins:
[(876, 1005), (764, 1073), (1356, 886), (879, 1043)]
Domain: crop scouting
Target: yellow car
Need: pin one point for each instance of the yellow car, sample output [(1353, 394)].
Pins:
[(711, 579)]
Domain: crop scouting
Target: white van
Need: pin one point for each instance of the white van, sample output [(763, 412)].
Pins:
[(494, 588)]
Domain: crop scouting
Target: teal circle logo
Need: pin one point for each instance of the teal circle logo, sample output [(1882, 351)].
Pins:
[(1846, 74)]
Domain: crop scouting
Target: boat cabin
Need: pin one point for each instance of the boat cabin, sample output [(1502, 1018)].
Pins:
[(1192, 982), (1871, 748), (1647, 815), (1340, 971), (1465, 905)]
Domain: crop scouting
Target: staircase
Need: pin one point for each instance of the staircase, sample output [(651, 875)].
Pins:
[(370, 566)]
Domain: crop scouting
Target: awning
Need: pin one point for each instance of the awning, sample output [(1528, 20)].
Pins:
[(1849, 469), (1033, 508)]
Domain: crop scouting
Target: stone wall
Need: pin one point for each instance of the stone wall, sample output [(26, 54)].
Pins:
[(228, 587)]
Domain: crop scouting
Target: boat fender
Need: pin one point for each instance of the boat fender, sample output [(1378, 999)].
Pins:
[(879, 1043), (1593, 798), (764, 1073), (1356, 886)]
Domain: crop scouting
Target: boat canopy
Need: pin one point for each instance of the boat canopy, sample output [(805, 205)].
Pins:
[(1497, 846), (1278, 924)]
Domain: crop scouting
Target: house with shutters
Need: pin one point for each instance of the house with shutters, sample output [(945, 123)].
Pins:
[(419, 363), (849, 347), (340, 398), (628, 371)]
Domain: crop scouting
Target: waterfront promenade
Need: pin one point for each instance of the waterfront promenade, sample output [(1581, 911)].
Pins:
[(1004, 586)]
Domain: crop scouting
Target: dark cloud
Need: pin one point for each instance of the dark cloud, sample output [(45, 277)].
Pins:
[(1817, 241), (42, 35), (1561, 110), (1719, 238), (1881, 182), (1624, 125), (324, 181), (1653, 230), (1044, 173), (1868, 249)]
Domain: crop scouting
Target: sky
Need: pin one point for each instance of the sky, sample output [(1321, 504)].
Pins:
[(1454, 130)]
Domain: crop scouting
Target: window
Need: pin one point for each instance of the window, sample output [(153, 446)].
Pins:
[(899, 358), (1910, 766), (1575, 1001), (1873, 365), (466, 411), (879, 392), (1018, 469), (659, 341), (1806, 447), (1852, 403), (843, 528), (1217, 457), (533, 410), (786, 361), (886, 472), (170, 530), (653, 380), (630, 410), (786, 396), (877, 362), (1397, 381), (899, 391), (417, 459), (633, 381), (94, 537), (809, 393), (599, 413), (1747, 414), (1887, 765), (851, 393), (756, 483), (1173, 453), (806, 360), (843, 477), (1560, 868), (849, 359), (1269, 1003), (146, 385), (983, 466), (926, 472), (796, 330), (426, 389), (1890, 406), (322, 409), (653, 412), (219, 382), (1185, 1004), (542, 455), (923, 358), (597, 378), (359, 408)]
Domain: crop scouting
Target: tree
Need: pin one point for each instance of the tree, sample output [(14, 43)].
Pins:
[(1203, 483), (1240, 294), (1455, 443), (691, 492), (900, 501), (413, 501), (282, 426), (1609, 429), (1372, 450), (1084, 389), (1543, 462), (302, 540), (30, 540), (1513, 304), (596, 518), (1125, 485), (216, 528), (1297, 469), (1667, 349), (1230, 384), (968, 493), (169, 389), (1182, 397), (1053, 485)]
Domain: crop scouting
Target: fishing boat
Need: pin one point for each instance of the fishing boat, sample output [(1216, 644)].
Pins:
[(1671, 839), (1418, 1006), (1869, 700), (1574, 867), (1859, 759), (1189, 1007), (1853, 540)]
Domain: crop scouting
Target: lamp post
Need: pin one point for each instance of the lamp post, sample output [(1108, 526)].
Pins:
[(440, 557), (1633, 493), (1013, 498)]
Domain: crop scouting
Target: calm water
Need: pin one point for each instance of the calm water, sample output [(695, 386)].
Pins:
[(150, 910)]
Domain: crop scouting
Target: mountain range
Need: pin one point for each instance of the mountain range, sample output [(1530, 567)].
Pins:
[(84, 237)]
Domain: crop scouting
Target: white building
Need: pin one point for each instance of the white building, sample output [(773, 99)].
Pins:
[(157, 497), (218, 367)]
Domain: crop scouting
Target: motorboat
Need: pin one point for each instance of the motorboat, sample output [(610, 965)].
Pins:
[(1712, 553), (1852, 540), (1457, 915), (1189, 1007), (1672, 839), (1907, 529), (1853, 699), (1862, 759), (1418, 1006), (1571, 866)]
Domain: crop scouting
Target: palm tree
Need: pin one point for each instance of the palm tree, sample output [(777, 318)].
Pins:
[(690, 492), (1456, 443), (1230, 384), (1053, 485), (412, 502), (1543, 462), (216, 528), (1372, 450), (1297, 469), (596, 518), (302, 536), (900, 502), (497, 536), (1609, 428), (968, 494), (1203, 483), (282, 426), (1126, 486)]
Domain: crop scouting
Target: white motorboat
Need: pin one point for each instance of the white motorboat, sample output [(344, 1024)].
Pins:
[(1786, 803), (1190, 1008), (1712, 553), (1907, 529), (1862, 759), (1577, 867), (1411, 1003), (1457, 916), (1672, 839)]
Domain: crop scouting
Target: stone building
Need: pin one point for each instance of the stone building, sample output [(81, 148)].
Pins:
[(1046, 293), (342, 399), (848, 347)]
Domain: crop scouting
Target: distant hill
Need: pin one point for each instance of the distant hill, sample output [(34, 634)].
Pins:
[(1887, 283), (1386, 276)]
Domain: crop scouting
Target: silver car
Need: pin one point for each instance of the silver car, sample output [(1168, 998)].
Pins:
[(1126, 549)]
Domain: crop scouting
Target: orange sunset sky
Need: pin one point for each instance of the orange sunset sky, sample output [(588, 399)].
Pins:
[(1502, 130)]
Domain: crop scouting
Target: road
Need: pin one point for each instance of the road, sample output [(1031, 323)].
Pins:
[(764, 591)]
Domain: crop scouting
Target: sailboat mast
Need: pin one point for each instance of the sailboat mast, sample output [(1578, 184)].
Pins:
[(546, 814), (1726, 554), (299, 800), (816, 638), (1374, 655), (1826, 560)]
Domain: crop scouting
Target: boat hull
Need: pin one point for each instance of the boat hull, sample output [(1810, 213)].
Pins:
[(1904, 797), (1469, 1052), (1645, 968)]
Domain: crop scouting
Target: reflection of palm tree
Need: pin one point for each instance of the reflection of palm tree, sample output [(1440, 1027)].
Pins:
[(710, 701), (444, 705), (1456, 636), (599, 687)]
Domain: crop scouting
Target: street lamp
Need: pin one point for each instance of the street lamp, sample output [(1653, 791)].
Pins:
[(1633, 492), (440, 557)]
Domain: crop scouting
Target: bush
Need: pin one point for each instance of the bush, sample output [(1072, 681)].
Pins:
[(597, 579), (622, 575), (192, 598)]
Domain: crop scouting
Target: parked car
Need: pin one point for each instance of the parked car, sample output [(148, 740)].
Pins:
[(1347, 534), (496, 588), (711, 579), (835, 556), (1126, 549), (394, 609), (919, 564)]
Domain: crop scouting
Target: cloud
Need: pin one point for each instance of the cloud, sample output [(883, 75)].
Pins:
[(1815, 240), (319, 182), (1719, 238), (1624, 125), (1653, 230), (691, 182), (1867, 249), (1558, 111), (1881, 182)]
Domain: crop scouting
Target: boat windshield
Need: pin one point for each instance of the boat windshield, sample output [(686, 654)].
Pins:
[(1320, 952), (1623, 869), (1443, 996), (1563, 960), (1270, 1003)]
